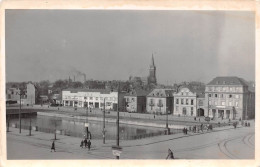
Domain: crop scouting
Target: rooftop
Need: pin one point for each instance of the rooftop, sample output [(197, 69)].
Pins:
[(102, 91), (228, 81), (138, 92), (161, 93)]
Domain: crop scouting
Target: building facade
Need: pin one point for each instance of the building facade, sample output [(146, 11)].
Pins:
[(159, 101), (27, 97), (136, 101), (188, 102), (229, 98), (90, 98)]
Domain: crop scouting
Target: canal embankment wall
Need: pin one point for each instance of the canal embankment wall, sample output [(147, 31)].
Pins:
[(113, 120)]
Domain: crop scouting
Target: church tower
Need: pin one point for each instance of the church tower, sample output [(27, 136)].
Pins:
[(152, 73)]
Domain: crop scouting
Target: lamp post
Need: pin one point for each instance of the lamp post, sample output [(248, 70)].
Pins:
[(104, 120), (20, 123), (30, 127), (167, 127), (117, 121), (86, 124)]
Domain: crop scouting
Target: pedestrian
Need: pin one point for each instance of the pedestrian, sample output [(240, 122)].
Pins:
[(183, 130), (81, 144), (89, 144), (86, 142), (170, 154), (190, 128), (153, 116), (53, 146), (246, 124), (186, 131), (201, 127)]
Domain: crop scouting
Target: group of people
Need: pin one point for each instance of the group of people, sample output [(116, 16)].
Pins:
[(86, 143), (247, 124), (185, 131)]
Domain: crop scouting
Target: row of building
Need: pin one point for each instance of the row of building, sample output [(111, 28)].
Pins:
[(223, 97)]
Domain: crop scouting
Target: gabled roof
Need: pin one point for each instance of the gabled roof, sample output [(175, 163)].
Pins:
[(228, 81), (161, 93), (138, 92)]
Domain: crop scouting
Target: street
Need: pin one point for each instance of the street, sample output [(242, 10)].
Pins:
[(223, 143)]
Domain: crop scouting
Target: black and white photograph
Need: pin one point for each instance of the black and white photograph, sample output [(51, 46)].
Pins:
[(96, 84)]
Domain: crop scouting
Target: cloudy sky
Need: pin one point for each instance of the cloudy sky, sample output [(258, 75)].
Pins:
[(114, 44)]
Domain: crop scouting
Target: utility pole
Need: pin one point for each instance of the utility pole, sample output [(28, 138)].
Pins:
[(86, 124), (167, 128), (104, 120), (117, 121), (30, 127), (20, 112)]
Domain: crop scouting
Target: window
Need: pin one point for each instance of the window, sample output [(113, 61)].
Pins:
[(237, 96), (216, 95), (210, 89), (191, 112), (177, 108), (209, 102), (133, 99), (223, 103), (177, 101), (231, 89), (222, 96), (187, 101), (224, 89), (220, 88), (209, 95), (230, 103), (181, 101), (191, 102), (85, 98), (216, 103), (101, 98), (236, 103), (230, 96), (96, 98), (90, 98)]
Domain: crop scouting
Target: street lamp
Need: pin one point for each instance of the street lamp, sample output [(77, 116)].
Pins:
[(104, 120), (117, 121), (20, 123), (167, 128)]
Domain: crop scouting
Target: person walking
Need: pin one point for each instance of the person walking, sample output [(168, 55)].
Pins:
[(86, 142), (89, 144), (53, 146), (81, 143), (170, 154)]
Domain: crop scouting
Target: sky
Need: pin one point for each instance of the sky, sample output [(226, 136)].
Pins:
[(116, 44)]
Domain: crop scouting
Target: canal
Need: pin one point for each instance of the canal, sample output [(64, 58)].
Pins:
[(75, 127)]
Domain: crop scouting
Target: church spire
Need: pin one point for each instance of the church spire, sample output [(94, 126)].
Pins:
[(152, 64)]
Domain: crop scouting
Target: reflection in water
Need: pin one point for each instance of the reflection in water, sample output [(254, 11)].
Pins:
[(95, 127)]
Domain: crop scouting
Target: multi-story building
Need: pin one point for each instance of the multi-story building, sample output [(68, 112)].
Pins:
[(92, 98), (12, 95), (188, 102), (27, 96), (229, 98), (136, 101), (159, 101)]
